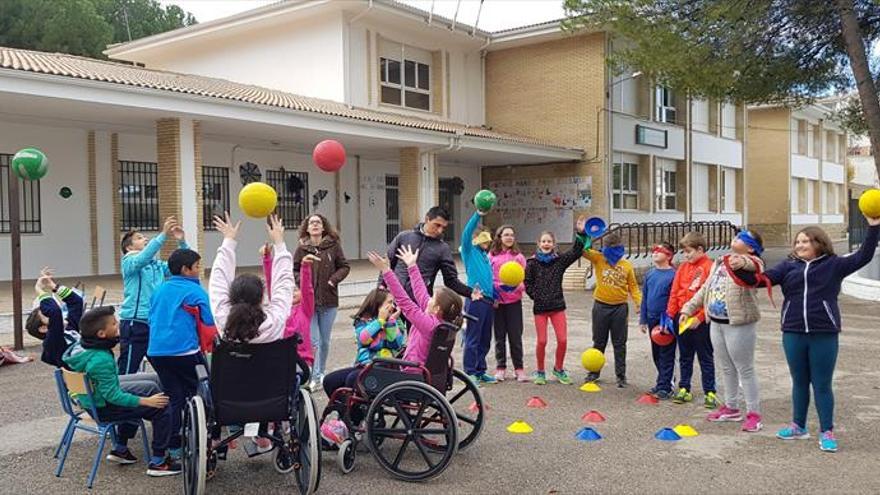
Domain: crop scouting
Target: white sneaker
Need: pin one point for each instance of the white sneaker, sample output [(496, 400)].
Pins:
[(316, 385)]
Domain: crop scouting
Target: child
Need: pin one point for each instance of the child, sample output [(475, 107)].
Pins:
[(426, 312), (93, 356), (478, 335), (543, 283), (301, 309), (690, 276), (47, 323), (508, 306), (732, 307), (615, 281), (177, 310), (655, 298), (141, 275), (237, 302)]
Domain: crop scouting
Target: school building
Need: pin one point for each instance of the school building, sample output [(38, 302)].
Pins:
[(429, 110)]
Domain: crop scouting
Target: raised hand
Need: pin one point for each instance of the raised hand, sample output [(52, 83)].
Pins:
[(379, 261), (170, 225), (225, 227), (476, 294), (407, 255), (872, 221), (275, 229), (178, 233), (384, 312), (737, 262), (581, 224)]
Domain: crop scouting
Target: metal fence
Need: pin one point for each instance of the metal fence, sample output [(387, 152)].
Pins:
[(28, 200), (640, 238), (139, 195), (293, 194), (857, 227), (215, 194)]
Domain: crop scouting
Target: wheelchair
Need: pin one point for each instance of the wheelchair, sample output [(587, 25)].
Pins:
[(252, 383), (434, 408)]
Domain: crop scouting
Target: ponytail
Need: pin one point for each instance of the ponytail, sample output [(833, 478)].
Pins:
[(450, 305), (246, 312)]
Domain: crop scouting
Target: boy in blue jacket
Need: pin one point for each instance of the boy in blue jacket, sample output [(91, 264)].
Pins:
[(47, 322), (141, 275), (481, 305), (173, 348), (655, 298)]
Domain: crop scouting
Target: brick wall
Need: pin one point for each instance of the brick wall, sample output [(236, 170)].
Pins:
[(117, 212), (768, 174), (168, 154), (409, 187), (93, 200), (197, 158)]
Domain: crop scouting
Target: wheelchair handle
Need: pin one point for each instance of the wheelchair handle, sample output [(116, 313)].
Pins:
[(399, 362), (306, 370)]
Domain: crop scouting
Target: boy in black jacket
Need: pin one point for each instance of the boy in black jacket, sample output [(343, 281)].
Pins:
[(47, 322)]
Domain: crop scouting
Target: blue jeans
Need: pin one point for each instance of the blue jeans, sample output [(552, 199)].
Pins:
[(664, 361), (322, 324), (134, 337), (811, 359), (478, 336)]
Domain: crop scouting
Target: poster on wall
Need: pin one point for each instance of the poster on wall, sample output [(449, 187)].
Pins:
[(539, 204)]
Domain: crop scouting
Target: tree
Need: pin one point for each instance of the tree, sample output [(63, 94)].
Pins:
[(84, 27), (750, 51)]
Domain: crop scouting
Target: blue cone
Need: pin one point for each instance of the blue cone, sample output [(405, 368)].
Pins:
[(667, 435), (587, 434)]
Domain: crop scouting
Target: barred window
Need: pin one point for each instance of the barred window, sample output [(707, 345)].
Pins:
[(215, 194), (293, 195), (392, 207), (28, 200), (139, 195)]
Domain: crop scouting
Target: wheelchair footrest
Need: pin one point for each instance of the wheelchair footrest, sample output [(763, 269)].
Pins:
[(251, 449)]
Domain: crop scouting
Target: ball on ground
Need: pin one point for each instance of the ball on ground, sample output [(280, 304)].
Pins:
[(257, 200), (593, 360)]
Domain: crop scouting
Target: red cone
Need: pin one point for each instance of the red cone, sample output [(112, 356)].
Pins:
[(536, 402), (474, 407), (592, 417), (647, 399)]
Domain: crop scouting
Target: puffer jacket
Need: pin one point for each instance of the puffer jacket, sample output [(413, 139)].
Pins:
[(333, 267), (742, 300)]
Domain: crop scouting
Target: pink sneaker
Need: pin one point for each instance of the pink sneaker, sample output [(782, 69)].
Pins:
[(334, 431), (725, 414), (752, 423), (499, 374), (263, 444), (521, 376)]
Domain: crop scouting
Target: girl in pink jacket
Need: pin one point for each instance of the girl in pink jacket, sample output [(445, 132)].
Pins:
[(508, 305), (426, 312), (302, 307)]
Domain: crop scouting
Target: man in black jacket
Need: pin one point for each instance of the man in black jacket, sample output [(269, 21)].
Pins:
[(434, 254)]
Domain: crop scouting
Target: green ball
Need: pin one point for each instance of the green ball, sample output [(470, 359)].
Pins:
[(30, 164), (484, 200)]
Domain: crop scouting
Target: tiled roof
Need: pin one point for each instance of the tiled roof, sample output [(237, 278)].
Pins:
[(64, 65)]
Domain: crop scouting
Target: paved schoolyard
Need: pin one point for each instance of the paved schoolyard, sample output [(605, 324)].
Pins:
[(550, 460)]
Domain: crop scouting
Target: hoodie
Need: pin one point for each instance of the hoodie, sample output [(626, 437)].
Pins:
[(174, 330), (142, 273), (476, 261), (99, 366), (300, 319)]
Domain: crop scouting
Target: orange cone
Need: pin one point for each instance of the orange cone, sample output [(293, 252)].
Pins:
[(536, 402), (647, 399), (593, 417), (474, 407)]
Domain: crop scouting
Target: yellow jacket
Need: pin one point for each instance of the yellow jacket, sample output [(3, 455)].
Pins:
[(614, 284)]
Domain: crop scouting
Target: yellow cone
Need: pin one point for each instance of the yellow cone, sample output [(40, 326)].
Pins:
[(590, 387), (519, 427), (685, 431)]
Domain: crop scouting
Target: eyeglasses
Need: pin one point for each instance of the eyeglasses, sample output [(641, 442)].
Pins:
[(316, 222)]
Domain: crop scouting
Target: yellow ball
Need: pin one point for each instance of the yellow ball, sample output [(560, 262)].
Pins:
[(869, 203), (385, 353), (257, 199), (511, 274), (593, 360)]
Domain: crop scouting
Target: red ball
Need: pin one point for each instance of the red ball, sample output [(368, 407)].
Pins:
[(329, 155), (660, 337)]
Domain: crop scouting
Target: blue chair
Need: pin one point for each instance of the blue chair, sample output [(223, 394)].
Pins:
[(69, 384)]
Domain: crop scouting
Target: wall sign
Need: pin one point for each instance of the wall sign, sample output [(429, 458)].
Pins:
[(649, 136)]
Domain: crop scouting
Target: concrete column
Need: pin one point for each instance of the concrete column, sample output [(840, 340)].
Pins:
[(418, 185)]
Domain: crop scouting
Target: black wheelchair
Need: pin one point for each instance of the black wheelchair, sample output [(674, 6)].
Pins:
[(434, 408), (252, 383)]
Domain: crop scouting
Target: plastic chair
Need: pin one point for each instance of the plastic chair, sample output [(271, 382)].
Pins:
[(69, 384)]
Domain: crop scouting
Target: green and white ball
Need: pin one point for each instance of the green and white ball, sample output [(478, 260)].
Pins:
[(30, 164)]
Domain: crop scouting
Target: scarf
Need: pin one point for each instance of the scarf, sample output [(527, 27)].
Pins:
[(546, 258), (613, 254), (99, 343)]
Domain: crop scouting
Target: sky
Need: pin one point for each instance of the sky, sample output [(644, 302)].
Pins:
[(495, 15)]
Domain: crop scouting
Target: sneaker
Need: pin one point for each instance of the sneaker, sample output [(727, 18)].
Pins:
[(793, 432), (662, 394), (486, 378), (475, 379), (316, 384), (621, 382), (175, 454), (499, 374), (753, 422), (122, 457), (827, 443), (167, 468), (521, 375), (591, 377), (711, 400), (262, 444), (725, 413), (562, 376), (334, 431), (540, 378), (682, 396)]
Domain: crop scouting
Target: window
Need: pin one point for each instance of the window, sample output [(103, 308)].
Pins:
[(816, 150), (139, 195), (405, 76), (665, 101), (728, 189), (293, 195), (802, 137), (392, 207), (625, 186), (215, 194), (29, 214), (832, 200), (665, 186)]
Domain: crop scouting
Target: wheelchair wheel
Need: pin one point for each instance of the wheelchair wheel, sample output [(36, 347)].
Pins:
[(462, 395), (420, 417), (306, 441), (345, 457), (195, 447)]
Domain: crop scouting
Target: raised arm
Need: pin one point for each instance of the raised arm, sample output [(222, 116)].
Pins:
[(467, 248), (133, 264), (302, 314), (74, 303), (413, 312), (573, 254), (851, 263)]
